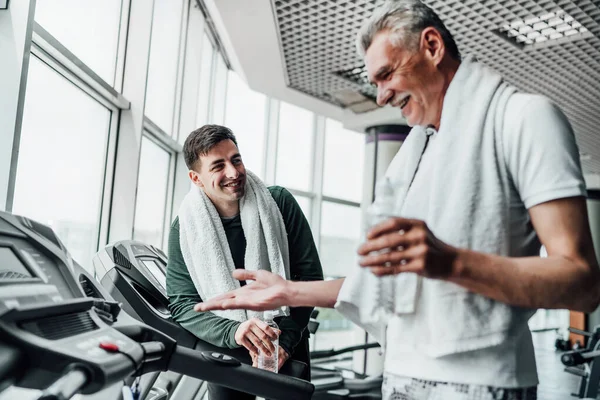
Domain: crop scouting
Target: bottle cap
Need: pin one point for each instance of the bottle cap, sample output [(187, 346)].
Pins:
[(385, 191)]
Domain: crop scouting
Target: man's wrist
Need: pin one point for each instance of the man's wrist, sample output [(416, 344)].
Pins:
[(459, 264), (233, 332), (285, 349), (291, 293)]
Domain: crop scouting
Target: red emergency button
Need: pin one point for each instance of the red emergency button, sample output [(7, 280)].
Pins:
[(108, 346)]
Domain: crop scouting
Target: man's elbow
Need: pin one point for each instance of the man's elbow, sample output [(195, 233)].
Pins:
[(589, 294), (590, 305), (593, 302)]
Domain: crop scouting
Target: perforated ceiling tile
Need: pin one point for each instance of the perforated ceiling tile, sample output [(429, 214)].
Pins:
[(317, 38), (544, 30)]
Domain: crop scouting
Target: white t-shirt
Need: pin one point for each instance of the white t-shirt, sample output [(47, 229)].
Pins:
[(543, 162)]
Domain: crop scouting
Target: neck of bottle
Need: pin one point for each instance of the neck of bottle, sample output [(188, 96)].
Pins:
[(269, 315)]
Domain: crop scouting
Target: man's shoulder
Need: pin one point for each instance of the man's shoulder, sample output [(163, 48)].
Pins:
[(175, 223), (284, 199), (279, 193), (529, 105), (526, 110)]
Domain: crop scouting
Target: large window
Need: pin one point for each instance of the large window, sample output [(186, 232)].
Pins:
[(340, 235), (245, 114), (343, 162), (151, 199), (162, 68), (206, 64), (295, 147), (62, 156), (219, 91), (89, 29)]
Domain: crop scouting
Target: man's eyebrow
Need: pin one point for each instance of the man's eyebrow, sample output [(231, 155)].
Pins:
[(380, 72), (217, 161)]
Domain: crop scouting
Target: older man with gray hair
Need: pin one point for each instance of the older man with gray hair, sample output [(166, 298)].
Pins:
[(486, 176)]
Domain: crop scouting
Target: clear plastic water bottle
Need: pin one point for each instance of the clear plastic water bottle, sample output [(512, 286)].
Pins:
[(270, 363), (383, 208)]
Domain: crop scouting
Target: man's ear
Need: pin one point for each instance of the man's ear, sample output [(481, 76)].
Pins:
[(195, 178), (433, 44)]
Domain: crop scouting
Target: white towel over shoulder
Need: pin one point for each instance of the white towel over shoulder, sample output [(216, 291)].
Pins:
[(206, 251)]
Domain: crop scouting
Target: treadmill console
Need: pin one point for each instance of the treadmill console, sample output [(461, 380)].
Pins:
[(45, 312), (134, 274), (36, 259)]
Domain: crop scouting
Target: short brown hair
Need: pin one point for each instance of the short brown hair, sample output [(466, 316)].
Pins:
[(202, 140)]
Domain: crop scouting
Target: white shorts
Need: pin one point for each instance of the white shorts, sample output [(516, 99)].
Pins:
[(403, 388)]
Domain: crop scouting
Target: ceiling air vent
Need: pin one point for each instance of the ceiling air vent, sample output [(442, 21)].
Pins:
[(544, 30), (363, 97)]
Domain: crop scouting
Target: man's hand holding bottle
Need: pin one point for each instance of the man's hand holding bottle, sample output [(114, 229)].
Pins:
[(255, 335)]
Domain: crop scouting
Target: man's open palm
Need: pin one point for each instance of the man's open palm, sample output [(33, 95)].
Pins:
[(267, 292)]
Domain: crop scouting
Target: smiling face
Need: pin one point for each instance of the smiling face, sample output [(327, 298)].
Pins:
[(222, 176), (409, 79)]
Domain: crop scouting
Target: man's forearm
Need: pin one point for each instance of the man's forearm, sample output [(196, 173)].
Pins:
[(532, 282), (206, 326), (314, 294)]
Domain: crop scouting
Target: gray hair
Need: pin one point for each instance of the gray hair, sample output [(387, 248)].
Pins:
[(405, 19)]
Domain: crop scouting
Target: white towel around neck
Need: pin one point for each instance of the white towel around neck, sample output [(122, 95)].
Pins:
[(206, 251), (473, 184)]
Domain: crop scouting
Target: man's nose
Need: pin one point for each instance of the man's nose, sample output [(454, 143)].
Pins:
[(232, 171), (384, 96)]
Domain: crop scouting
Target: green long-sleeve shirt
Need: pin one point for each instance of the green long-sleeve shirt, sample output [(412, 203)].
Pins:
[(304, 266)]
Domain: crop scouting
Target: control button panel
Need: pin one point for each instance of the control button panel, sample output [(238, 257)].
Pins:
[(220, 358), (92, 346)]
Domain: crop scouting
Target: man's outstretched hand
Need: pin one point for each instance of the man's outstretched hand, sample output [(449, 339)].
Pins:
[(268, 292)]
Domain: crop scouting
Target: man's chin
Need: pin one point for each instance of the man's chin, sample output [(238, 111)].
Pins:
[(411, 121), (234, 192), (407, 119), (239, 194)]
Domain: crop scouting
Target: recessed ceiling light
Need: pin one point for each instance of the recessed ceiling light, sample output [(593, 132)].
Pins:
[(547, 27)]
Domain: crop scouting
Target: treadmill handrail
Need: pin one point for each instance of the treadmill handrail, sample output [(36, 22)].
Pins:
[(248, 379), (10, 360), (319, 354)]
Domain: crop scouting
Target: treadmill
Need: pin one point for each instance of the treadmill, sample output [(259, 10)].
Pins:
[(134, 273), (63, 334)]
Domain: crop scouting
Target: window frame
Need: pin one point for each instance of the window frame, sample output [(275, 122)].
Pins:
[(167, 143), (45, 45), (179, 68)]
